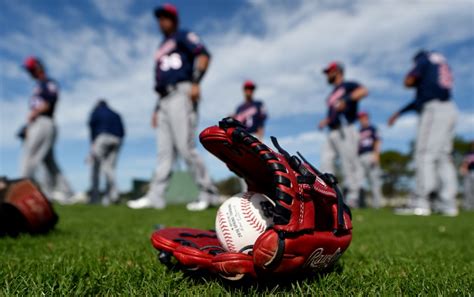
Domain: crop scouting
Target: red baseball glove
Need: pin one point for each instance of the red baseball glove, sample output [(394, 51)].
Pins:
[(23, 208), (311, 224)]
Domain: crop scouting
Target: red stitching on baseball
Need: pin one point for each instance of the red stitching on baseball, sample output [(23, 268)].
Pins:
[(225, 232), (248, 213)]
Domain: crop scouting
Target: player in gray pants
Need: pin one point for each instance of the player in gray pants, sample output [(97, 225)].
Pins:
[(467, 171), (40, 135), (435, 172), (369, 154), (343, 137), (181, 62), (107, 132)]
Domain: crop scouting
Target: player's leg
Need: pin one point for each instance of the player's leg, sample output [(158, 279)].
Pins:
[(62, 189), (328, 156), (446, 115), (184, 125), (34, 149), (97, 153), (468, 202), (374, 174), (109, 165), (353, 171), (166, 157), (425, 158)]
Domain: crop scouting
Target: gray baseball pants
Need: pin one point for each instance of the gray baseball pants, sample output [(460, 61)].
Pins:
[(372, 172), (105, 149), (344, 143), (435, 172), (38, 151), (177, 123), (468, 202)]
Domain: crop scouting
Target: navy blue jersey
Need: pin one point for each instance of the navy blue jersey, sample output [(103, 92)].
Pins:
[(175, 59), (434, 80), (349, 114), (46, 91), (104, 120), (252, 115), (469, 159), (368, 137)]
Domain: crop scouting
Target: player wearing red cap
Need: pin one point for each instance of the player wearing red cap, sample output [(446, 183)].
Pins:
[(181, 62), (251, 112), (343, 137), (369, 154), (40, 134)]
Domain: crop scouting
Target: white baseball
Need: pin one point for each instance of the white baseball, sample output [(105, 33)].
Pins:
[(240, 220)]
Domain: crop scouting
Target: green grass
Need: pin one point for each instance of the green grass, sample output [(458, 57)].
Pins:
[(106, 251)]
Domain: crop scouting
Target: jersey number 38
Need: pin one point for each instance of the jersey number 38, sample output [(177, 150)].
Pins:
[(172, 61)]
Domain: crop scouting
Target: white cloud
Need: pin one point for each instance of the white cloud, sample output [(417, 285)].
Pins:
[(113, 10)]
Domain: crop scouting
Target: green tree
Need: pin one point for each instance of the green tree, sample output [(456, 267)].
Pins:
[(397, 173)]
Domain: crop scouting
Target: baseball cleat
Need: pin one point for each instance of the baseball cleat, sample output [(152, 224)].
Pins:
[(415, 211), (144, 202), (198, 206)]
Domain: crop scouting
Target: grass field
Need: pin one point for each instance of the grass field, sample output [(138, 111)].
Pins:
[(106, 251)]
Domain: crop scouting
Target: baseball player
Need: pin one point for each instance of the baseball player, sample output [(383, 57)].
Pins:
[(181, 62), (40, 134), (467, 171), (435, 173), (107, 132), (343, 137), (252, 112), (369, 154)]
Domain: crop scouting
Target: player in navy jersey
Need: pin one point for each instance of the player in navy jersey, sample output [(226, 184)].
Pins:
[(252, 112), (467, 171), (343, 137), (435, 173), (180, 63), (369, 154), (40, 135)]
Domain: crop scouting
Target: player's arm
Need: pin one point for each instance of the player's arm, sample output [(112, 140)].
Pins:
[(43, 107), (409, 107), (377, 146), (200, 68), (464, 168), (359, 93)]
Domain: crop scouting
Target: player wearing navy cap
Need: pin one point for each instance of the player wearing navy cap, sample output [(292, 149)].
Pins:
[(251, 112), (40, 134), (106, 133), (181, 62), (343, 137), (431, 77), (369, 154)]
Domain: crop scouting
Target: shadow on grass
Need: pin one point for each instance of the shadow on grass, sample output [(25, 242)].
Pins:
[(249, 284)]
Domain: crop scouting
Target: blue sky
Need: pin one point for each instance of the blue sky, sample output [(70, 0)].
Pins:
[(105, 49)]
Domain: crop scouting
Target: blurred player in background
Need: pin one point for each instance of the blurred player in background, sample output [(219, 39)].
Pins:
[(343, 137), (369, 154), (252, 114), (107, 132), (467, 171), (40, 134), (181, 62), (435, 173)]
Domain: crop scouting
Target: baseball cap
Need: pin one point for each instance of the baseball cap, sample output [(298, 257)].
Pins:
[(167, 10), (333, 66), (248, 84), (31, 63), (363, 114)]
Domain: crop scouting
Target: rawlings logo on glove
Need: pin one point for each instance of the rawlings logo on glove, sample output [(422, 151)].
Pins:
[(311, 224)]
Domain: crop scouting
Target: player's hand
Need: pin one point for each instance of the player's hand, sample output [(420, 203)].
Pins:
[(393, 118), (195, 93), (154, 120), (376, 159), (323, 123)]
